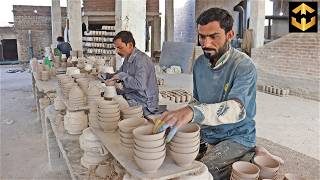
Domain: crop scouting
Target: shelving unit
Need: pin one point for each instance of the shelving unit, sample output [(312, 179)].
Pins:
[(98, 43)]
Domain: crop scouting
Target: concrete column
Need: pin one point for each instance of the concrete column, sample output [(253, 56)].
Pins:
[(257, 16), (156, 34), (131, 16), (55, 21), (169, 20), (75, 24)]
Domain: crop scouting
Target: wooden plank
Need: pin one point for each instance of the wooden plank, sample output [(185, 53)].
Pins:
[(124, 156), (68, 145)]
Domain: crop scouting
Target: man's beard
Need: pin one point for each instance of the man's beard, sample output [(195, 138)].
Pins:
[(213, 57)]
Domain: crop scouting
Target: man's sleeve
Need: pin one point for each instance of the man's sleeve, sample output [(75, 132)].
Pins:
[(139, 80)]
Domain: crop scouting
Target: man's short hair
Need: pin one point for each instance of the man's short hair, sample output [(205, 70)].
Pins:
[(216, 14), (60, 39), (126, 37)]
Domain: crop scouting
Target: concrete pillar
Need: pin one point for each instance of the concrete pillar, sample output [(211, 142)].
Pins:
[(156, 34), (169, 20), (257, 16), (75, 24), (131, 16), (55, 21)]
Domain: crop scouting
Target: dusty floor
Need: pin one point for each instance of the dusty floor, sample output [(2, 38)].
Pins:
[(290, 121), (23, 150)]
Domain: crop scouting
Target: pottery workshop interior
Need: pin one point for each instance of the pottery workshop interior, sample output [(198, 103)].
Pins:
[(160, 90)]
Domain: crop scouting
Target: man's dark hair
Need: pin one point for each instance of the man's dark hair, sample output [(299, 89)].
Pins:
[(126, 37), (216, 14), (60, 39)]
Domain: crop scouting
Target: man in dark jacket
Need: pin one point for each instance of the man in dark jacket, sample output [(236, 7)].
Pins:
[(64, 47)]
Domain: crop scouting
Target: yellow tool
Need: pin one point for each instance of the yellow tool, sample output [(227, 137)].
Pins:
[(157, 125)]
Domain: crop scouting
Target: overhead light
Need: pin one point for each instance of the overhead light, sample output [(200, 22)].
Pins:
[(281, 13), (35, 11)]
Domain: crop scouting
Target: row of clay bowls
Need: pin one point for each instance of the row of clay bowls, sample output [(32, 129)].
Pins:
[(149, 149), (108, 115), (126, 126), (184, 147), (130, 112)]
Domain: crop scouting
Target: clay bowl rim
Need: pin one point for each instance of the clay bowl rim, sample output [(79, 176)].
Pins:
[(148, 144), (149, 155), (155, 149), (189, 149), (252, 173), (184, 145), (260, 161), (144, 133), (184, 130), (125, 124), (185, 140)]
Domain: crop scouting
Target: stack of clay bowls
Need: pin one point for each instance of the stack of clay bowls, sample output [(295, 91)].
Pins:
[(65, 82), (76, 98), (108, 115), (130, 112), (126, 126), (39, 70), (75, 122), (94, 151), (184, 146), (94, 92), (83, 84), (59, 104), (72, 70), (93, 113), (244, 170), (45, 75), (109, 92), (268, 167), (149, 149), (123, 104)]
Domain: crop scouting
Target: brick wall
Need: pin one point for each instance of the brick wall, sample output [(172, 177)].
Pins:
[(40, 25), (7, 33), (109, 5), (293, 62)]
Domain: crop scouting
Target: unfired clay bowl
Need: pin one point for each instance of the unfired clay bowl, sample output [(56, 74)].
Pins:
[(127, 125), (184, 149), (154, 149), (185, 140), (148, 144), (149, 165), (183, 159), (108, 126), (245, 169), (184, 145), (149, 155), (266, 163), (144, 133), (188, 130)]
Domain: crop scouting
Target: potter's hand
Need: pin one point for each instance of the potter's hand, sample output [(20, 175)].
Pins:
[(174, 120), (109, 82)]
